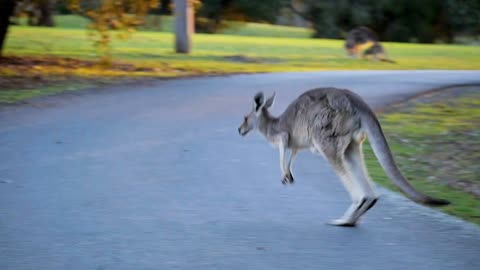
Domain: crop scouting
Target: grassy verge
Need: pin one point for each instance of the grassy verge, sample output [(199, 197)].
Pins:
[(436, 142)]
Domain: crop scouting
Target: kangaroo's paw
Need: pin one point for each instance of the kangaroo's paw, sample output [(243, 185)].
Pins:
[(288, 179), (342, 222)]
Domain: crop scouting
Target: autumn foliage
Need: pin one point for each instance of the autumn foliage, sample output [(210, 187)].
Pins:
[(107, 15)]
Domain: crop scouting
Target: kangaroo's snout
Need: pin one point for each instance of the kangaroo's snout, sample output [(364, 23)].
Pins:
[(242, 132), (245, 127)]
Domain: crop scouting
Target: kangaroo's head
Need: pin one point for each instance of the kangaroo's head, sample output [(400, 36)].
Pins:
[(260, 106)]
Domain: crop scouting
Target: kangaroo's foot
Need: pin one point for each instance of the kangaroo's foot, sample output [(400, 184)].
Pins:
[(288, 179), (349, 219), (342, 222)]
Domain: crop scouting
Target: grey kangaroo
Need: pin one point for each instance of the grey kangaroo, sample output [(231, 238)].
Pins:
[(334, 123)]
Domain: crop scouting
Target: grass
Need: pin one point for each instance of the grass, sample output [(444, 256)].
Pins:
[(240, 50), (436, 144), (264, 53), (165, 24)]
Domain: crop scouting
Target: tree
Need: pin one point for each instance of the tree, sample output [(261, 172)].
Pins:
[(126, 15), (465, 16), (39, 12), (184, 26), (6, 12), (121, 15), (164, 8), (46, 13), (212, 13), (408, 20)]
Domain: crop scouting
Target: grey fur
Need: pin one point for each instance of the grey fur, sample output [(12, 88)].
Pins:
[(334, 123)]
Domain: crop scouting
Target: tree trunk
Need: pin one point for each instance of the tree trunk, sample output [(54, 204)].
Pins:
[(184, 25), (46, 13), (5, 12)]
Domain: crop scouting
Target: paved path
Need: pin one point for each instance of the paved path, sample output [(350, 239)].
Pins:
[(157, 178)]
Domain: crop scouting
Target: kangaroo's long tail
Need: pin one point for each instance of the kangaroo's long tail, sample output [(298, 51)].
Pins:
[(384, 156)]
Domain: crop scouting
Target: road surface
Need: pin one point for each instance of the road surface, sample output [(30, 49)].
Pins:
[(156, 177)]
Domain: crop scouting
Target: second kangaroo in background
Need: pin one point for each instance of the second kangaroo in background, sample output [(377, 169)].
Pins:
[(357, 38), (334, 123)]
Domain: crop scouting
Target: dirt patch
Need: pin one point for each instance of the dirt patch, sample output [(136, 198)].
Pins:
[(248, 59), (67, 63), (30, 72)]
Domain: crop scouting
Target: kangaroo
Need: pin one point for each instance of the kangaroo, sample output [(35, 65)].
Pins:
[(357, 38), (333, 123), (378, 53)]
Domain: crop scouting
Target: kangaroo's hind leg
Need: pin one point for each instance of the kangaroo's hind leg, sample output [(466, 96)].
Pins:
[(349, 218), (333, 150), (355, 164)]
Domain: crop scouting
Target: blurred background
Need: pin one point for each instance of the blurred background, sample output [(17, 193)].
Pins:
[(91, 42)]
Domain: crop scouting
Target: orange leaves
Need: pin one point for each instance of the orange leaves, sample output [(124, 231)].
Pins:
[(121, 15)]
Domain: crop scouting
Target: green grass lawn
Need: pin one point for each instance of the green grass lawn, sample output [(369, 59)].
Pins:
[(265, 53)]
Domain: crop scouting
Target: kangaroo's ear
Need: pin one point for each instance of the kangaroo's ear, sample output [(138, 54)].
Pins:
[(258, 101), (270, 101)]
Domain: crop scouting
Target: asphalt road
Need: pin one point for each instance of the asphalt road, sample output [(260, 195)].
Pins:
[(156, 177)]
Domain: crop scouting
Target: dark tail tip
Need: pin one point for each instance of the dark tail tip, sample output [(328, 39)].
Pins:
[(436, 202)]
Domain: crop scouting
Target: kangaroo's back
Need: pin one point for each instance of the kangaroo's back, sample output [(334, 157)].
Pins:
[(323, 112)]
